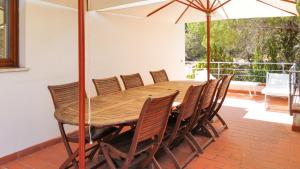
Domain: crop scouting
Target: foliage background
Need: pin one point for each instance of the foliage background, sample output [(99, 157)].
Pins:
[(246, 40)]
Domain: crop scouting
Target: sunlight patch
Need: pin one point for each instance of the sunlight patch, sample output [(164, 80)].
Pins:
[(274, 117), (257, 111)]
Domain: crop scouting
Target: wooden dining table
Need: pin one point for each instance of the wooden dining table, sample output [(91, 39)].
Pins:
[(121, 107)]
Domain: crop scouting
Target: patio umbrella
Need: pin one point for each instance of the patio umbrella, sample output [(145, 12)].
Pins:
[(213, 9), (184, 11)]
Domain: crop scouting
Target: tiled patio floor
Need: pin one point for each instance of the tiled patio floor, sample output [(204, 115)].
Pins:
[(256, 139)]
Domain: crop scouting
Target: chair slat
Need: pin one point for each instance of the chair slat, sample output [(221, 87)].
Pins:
[(132, 81), (159, 76), (107, 85)]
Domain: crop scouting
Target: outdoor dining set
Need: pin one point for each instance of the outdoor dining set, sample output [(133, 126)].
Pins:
[(129, 127)]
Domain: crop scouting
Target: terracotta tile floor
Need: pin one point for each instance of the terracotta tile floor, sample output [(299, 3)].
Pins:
[(256, 139)]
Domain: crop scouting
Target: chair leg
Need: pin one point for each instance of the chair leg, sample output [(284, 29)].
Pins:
[(71, 158), (171, 156), (156, 164), (212, 128), (68, 148), (94, 150), (211, 136), (197, 145), (194, 154), (109, 161), (224, 125)]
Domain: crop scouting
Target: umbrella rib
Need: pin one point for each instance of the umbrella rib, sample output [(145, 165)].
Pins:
[(192, 5), (160, 8), (214, 9), (277, 7), (213, 4), (289, 1), (200, 3), (184, 12), (223, 9)]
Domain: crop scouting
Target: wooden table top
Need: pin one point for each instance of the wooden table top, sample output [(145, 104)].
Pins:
[(122, 107)]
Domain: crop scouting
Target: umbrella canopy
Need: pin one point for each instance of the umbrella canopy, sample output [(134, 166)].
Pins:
[(92, 4), (184, 11), (233, 9)]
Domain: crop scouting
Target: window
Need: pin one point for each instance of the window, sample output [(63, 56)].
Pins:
[(9, 33)]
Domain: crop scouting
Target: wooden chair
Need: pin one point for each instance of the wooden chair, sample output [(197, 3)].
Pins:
[(132, 81), (63, 95), (159, 76), (139, 147), (202, 125), (221, 95), (179, 128), (107, 85)]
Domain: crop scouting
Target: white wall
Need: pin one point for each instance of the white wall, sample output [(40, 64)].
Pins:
[(48, 46)]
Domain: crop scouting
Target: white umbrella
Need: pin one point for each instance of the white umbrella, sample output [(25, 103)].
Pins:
[(92, 4), (184, 11)]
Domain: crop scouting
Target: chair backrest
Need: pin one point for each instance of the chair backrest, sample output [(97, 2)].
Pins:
[(187, 110), (153, 120), (107, 85), (208, 94), (190, 101), (132, 81), (159, 76), (64, 94), (277, 80), (222, 91)]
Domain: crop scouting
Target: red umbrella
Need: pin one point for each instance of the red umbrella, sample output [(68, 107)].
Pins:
[(209, 7)]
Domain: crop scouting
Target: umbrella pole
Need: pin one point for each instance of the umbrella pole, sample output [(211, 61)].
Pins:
[(208, 23), (81, 63)]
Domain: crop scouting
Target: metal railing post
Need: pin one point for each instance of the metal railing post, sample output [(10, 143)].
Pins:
[(218, 70)]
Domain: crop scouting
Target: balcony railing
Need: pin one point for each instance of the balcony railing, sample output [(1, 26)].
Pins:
[(294, 81), (244, 71)]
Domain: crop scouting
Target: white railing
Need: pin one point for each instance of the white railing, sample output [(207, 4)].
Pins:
[(294, 82), (248, 71)]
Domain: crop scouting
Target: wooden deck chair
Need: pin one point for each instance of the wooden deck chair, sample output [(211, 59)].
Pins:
[(202, 125), (63, 95), (179, 128), (132, 81), (107, 85), (159, 76), (139, 147), (221, 95)]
